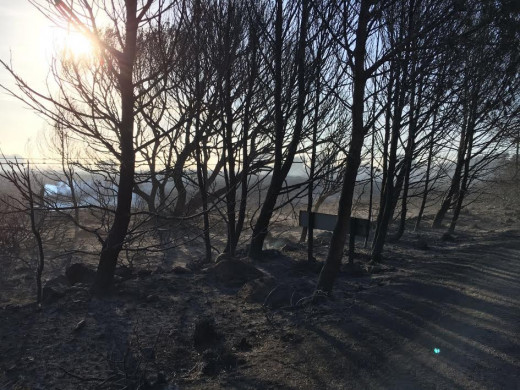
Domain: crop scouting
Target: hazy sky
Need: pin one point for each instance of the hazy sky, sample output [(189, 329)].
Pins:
[(26, 40)]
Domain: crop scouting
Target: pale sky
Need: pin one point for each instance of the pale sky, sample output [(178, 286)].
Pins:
[(26, 39)]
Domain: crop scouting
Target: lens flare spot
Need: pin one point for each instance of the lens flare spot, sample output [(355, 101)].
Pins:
[(436, 350)]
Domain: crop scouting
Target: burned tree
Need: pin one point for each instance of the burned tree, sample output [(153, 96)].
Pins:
[(283, 102), (30, 203), (102, 96)]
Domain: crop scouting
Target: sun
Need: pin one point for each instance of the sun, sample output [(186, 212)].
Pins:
[(72, 45), (78, 46)]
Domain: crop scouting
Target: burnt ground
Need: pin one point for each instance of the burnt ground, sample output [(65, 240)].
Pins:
[(381, 330)]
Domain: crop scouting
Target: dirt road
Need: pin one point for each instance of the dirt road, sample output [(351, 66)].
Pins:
[(450, 321), (465, 305)]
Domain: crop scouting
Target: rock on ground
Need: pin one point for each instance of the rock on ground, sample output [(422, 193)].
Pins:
[(79, 273), (233, 272)]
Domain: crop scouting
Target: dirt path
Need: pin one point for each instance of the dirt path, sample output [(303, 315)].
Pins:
[(470, 313), (461, 300)]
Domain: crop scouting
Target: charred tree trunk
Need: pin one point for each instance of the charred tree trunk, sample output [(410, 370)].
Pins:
[(517, 154), (202, 176), (114, 242), (178, 172), (387, 208), (180, 203), (229, 150), (262, 223), (332, 264), (407, 164), (281, 168), (200, 149), (310, 198), (428, 172), (465, 176), (456, 179), (372, 157), (386, 141), (245, 134), (37, 236), (454, 188), (231, 179)]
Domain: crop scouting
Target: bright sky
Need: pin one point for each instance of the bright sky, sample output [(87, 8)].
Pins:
[(26, 39)]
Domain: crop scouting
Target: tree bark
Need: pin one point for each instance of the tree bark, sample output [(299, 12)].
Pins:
[(116, 236)]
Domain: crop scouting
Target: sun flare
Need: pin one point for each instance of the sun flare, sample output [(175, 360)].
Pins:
[(78, 45), (73, 45)]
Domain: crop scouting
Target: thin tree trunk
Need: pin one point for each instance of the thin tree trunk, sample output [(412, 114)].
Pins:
[(310, 200), (37, 236), (407, 164), (200, 148), (68, 171), (386, 142), (455, 181), (332, 264), (228, 147), (262, 223), (465, 176), (202, 176), (69, 174), (517, 155), (180, 203), (245, 136), (387, 208), (230, 176), (371, 195), (457, 175), (266, 212), (177, 175), (281, 168), (428, 170)]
